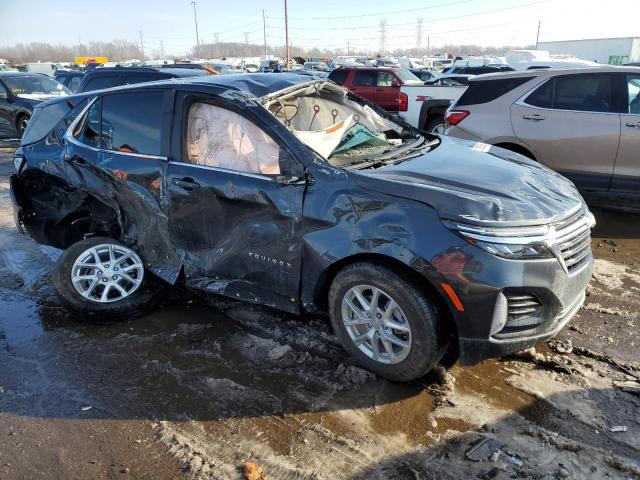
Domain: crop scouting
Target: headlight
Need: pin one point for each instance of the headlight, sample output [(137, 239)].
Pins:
[(516, 243)]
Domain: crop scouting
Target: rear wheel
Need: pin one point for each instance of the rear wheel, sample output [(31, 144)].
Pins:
[(436, 125), (101, 277), (388, 324)]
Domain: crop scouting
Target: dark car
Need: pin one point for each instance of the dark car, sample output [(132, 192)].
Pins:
[(480, 70), (19, 93), (299, 195), (69, 78), (380, 85), (107, 77)]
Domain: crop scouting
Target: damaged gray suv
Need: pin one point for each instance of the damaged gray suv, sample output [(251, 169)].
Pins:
[(301, 196)]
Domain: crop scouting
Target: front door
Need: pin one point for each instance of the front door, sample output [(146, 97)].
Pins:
[(379, 87), (626, 175), (235, 215), (572, 124)]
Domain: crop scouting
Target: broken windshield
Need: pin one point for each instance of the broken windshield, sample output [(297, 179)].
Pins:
[(343, 131)]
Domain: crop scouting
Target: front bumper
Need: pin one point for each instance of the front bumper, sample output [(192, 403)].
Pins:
[(511, 305)]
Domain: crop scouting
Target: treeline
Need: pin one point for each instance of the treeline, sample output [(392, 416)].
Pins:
[(120, 50), (115, 50)]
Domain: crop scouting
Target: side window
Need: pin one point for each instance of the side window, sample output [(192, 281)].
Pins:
[(74, 83), (633, 89), (99, 83), (365, 78), (589, 93), (584, 93), (132, 122), (141, 78), (339, 76), (543, 96), (385, 79), (217, 137), (88, 130)]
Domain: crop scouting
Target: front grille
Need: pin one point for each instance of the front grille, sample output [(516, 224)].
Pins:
[(573, 241)]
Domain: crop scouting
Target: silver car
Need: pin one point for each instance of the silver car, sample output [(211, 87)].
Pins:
[(583, 123)]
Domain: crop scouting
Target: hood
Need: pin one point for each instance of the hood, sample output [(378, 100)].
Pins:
[(476, 183)]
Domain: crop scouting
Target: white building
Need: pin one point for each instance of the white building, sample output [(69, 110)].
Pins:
[(615, 51)]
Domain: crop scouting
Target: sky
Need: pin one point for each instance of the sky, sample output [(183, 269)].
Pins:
[(328, 23)]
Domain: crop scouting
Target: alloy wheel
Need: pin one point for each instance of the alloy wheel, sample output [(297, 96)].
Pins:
[(376, 324), (107, 273)]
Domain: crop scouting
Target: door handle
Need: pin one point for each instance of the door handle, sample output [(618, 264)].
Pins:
[(535, 118), (633, 125), (187, 183), (379, 89)]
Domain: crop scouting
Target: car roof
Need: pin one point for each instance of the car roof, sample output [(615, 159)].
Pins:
[(551, 72), (174, 72), (255, 84)]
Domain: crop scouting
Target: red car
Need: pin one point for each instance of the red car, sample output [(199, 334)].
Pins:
[(380, 85)]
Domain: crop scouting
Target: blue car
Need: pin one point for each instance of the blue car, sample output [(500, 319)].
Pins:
[(19, 93)]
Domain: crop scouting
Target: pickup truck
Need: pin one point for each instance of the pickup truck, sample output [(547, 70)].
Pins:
[(426, 105), (399, 91)]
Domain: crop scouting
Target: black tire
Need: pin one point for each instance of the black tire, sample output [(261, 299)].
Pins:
[(434, 122), (21, 124), (428, 345), (139, 302)]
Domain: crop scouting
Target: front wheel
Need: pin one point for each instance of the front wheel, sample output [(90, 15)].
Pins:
[(21, 124), (388, 324), (101, 277)]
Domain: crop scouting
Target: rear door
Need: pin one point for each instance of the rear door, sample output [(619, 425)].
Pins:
[(119, 150), (626, 174), (364, 83), (572, 124), (237, 228)]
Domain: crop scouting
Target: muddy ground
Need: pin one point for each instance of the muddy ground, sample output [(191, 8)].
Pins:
[(197, 389)]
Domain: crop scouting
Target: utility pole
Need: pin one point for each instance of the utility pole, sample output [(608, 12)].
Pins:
[(538, 35), (246, 38), (428, 38), (383, 34), (419, 35), (348, 49), (141, 45), (286, 36), (195, 18), (264, 32), (161, 49)]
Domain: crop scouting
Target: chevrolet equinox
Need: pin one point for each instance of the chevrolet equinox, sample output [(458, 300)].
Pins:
[(301, 196)]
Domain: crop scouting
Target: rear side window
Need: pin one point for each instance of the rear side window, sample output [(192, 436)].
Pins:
[(98, 83), (132, 122), (583, 93), (145, 77), (74, 83), (339, 76), (485, 91), (365, 78), (88, 130)]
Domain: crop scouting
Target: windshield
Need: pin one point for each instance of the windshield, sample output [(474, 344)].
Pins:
[(346, 133), (407, 76), (34, 85)]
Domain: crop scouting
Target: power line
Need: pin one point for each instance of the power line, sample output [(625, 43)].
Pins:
[(393, 12)]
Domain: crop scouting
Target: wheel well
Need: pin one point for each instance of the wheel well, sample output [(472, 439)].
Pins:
[(514, 147), (322, 289), (93, 217), (20, 116)]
